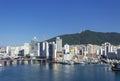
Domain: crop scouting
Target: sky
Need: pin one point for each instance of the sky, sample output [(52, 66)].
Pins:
[(21, 20)]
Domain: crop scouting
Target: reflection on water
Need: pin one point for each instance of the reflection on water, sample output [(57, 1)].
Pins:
[(1, 68), (117, 76), (58, 72)]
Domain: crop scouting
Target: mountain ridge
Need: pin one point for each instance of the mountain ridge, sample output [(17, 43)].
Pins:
[(89, 37)]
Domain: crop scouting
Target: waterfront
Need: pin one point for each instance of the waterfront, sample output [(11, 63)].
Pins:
[(58, 72)]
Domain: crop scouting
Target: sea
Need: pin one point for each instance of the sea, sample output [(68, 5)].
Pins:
[(58, 72)]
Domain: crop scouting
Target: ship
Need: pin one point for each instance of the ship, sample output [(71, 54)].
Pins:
[(115, 67)]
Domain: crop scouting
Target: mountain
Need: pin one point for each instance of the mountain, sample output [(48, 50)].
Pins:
[(89, 37)]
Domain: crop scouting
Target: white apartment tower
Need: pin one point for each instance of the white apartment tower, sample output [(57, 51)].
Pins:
[(47, 50), (59, 44), (34, 47), (66, 48), (107, 48), (15, 50)]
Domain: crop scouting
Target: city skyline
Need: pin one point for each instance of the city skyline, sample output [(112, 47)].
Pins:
[(21, 20)]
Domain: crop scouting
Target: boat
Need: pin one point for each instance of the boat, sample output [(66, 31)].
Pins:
[(64, 62), (115, 67), (71, 62), (67, 62), (82, 62)]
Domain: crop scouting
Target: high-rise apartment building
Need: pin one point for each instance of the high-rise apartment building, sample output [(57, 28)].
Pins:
[(44, 49), (66, 49), (52, 51), (59, 44), (107, 48), (18, 50), (34, 47)]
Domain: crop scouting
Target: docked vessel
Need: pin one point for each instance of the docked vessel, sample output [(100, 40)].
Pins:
[(116, 67)]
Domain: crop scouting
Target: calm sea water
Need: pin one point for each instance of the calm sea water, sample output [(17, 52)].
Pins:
[(58, 72)]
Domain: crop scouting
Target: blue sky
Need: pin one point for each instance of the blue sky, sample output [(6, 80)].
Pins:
[(21, 20)]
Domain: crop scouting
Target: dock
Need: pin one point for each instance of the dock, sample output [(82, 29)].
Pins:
[(22, 61)]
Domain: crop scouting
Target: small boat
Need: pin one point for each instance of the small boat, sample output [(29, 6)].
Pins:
[(67, 62), (116, 67), (70, 62), (64, 62)]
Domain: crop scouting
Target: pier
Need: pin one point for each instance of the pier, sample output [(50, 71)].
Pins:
[(22, 61)]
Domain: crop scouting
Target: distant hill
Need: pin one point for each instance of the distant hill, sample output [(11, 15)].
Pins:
[(90, 37)]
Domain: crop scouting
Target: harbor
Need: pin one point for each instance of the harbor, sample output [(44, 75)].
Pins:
[(54, 71), (59, 40)]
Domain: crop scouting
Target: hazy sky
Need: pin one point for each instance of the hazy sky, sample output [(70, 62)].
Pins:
[(21, 20)]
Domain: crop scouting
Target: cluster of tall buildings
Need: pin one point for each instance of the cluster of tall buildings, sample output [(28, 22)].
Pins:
[(37, 49), (55, 49), (106, 50)]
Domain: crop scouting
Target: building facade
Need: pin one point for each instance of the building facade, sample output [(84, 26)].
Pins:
[(59, 44), (34, 47)]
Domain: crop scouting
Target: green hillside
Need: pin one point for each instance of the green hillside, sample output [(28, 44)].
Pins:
[(90, 37)]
